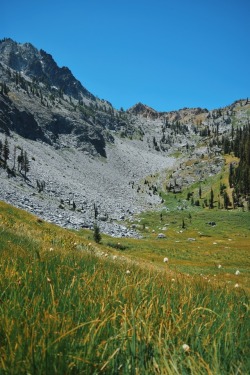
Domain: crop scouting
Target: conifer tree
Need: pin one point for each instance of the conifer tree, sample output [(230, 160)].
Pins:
[(200, 192), (211, 200), (20, 160), (14, 158), (26, 164), (97, 236)]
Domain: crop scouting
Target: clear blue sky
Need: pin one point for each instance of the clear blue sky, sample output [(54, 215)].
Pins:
[(166, 54)]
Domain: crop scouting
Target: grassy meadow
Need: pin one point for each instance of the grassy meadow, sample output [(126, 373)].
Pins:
[(70, 306)]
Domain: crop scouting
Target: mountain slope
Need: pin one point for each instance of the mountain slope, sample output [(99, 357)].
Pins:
[(82, 150)]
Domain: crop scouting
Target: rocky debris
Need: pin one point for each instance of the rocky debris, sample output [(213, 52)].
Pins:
[(90, 162), (73, 190)]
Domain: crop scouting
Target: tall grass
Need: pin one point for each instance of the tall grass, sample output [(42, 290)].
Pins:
[(66, 309)]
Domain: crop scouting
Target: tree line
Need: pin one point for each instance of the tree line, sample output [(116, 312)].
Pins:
[(239, 175)]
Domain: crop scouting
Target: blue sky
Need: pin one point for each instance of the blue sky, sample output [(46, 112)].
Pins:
[(166, 54)]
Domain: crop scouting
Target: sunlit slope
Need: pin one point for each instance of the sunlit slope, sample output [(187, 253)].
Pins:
[(71, 307)]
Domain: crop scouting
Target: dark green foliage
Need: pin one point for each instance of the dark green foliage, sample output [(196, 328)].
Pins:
[(95, 211), (183, 224), (26, 164), (4, 88), (211, 200), (20, 159), (200, 193), (97, 235), (239, 177)]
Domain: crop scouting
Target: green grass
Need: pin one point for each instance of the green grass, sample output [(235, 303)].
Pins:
[(66, 308)]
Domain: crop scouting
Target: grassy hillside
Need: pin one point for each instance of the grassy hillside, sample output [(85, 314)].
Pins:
[(70, 307)]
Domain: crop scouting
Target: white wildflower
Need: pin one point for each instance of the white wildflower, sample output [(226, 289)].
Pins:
[(165, 260), (237, 272), (128, 272), (219, 266), (186, 348), (236, 286)]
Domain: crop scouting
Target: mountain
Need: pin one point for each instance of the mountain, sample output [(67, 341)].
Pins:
[(111, 164), (40, 66)]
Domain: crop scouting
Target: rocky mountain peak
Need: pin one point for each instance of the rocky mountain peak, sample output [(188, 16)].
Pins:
[(144, 110), (39, 65)]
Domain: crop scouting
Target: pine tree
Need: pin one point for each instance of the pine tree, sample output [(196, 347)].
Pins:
[(200, 192), (20, 160), (97, 236), (14, 158), (95, 211), (211, 200), (26, 164), (183, 224)]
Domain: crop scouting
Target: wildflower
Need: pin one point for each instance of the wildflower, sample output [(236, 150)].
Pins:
[(236, 286), (106, 255), (90, 244), (51, 249), (128, 272), (237, 272), (165, 260), (173, 280), (186, 348), (219, 266), (114, 257), (49, 280)]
